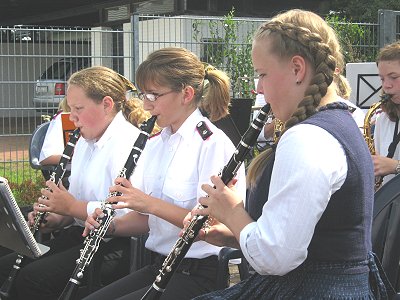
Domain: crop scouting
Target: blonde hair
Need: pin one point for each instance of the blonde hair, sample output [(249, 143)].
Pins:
[(176, 68), (299, 32), (342, 86), (390, 52), (63, 105), (99, 82)]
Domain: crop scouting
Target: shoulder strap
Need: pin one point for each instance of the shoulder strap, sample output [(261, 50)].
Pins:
[(396, 139)]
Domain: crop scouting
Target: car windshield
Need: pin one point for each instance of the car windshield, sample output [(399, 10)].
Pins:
[(58, 70)]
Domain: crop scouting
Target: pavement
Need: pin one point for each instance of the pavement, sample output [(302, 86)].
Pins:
[(15, 135)]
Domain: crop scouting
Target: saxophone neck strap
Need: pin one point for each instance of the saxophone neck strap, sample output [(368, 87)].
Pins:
[(396, 139)]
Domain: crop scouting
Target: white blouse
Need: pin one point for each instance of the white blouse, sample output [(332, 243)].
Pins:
[(310, 165), (173, 167), (383, 136), (53, 141), (95, 165)]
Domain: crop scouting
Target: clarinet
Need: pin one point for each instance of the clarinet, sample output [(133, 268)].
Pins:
[(92, 241), (183, 244), (56, 176)]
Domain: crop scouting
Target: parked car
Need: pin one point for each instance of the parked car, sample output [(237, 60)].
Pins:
[(51, 86)]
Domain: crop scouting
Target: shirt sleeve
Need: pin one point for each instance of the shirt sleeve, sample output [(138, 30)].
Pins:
[(53, 142), (310, 165)]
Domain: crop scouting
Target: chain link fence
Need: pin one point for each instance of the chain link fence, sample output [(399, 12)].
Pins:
[(35, 63)]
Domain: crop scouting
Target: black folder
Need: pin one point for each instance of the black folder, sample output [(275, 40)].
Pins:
[(14, 230)]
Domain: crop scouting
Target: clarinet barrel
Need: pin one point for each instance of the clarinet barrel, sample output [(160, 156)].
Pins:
[(184, 243)]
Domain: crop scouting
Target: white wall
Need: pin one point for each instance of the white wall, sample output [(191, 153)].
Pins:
[(365, 83)]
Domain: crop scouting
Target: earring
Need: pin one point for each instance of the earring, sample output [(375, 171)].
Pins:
[(298, 82)]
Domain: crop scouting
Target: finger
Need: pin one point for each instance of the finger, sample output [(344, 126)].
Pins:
[(202, 234), (86, 230), (98, 212), (204, 201), (217, 181), (120, 205), (42, 208), (123, 181), (203, 212), (232, 183), (51, 185), (118, 189), (187, 218), (45, 193), (62, 187), (207, 188)]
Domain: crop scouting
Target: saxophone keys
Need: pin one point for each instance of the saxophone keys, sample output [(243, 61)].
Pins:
[(79, 275)]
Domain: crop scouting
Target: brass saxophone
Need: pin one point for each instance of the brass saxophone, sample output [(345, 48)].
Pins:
[(368, 134)]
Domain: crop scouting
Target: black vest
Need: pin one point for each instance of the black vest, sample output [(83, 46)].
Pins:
[(344, 231)]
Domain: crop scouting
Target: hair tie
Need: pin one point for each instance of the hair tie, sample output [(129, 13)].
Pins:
[(205, 74)]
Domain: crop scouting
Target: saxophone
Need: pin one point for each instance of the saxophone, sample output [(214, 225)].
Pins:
[(184, 243), (92, 241), (56, 177), (368, 134)]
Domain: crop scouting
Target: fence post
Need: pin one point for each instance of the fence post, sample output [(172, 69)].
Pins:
[(387, 26), (135, 41)]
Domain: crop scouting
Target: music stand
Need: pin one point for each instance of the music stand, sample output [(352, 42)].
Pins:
[(14, 230)]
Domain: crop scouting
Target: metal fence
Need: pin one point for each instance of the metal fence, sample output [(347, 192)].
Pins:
[(27, 53)]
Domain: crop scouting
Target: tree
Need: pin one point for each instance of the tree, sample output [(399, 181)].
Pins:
[(362, 10)]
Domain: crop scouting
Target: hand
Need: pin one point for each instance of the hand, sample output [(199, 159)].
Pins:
[(50, 222), (131, 197), (216, 233), (91, 223), (384, 165), (56, 199), (222, 201)]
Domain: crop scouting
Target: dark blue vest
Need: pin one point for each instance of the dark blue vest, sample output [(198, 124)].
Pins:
[(344, 230)]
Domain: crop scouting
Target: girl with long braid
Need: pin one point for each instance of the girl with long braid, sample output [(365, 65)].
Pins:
[(307, 228)]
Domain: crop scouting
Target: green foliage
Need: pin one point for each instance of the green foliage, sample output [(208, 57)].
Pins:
[(352, 37), (228, 50), (24, 182), (27, 192), (363, 10)]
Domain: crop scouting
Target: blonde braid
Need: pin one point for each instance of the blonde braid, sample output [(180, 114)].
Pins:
[(291, 39)]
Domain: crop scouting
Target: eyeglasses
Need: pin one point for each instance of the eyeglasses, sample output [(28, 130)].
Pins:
[(152, 96)]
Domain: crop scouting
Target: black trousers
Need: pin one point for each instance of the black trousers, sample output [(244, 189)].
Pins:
[(46, 277), (193, 277)]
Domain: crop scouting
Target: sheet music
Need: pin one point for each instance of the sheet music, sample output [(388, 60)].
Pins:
[(14, 230)]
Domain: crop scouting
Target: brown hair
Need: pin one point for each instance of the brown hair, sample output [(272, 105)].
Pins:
[(389, 53), (99, 82), (178, 67), (299, 32)]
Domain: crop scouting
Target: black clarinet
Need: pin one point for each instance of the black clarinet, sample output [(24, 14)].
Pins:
[(184, 243), (56, 177), (92, 241)]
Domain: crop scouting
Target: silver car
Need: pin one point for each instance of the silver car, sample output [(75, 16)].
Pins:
[(51, 86)]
